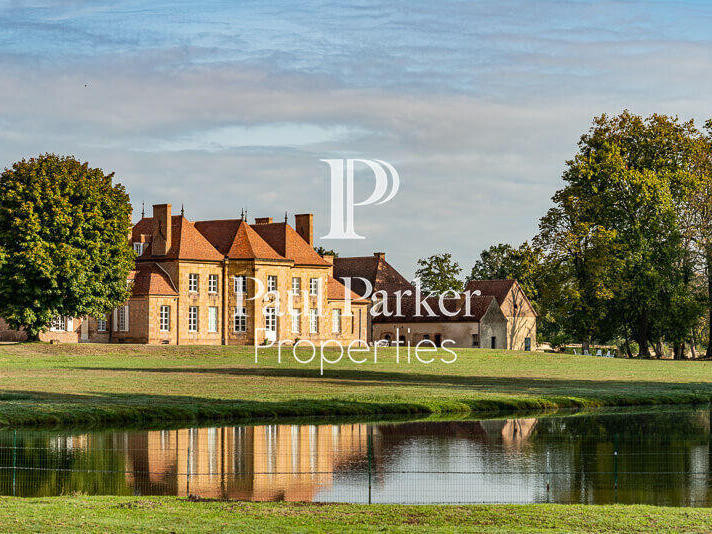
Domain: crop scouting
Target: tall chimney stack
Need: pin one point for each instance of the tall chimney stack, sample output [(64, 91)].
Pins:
[(305, 226), (162, 229)]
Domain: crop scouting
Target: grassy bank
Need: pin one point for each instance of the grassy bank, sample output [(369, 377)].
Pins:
[(170, 514), (112, 384)]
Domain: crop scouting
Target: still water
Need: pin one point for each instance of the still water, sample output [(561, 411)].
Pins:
[(660, 456)]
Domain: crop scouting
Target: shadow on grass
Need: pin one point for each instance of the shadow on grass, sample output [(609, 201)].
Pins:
[(484, 384)]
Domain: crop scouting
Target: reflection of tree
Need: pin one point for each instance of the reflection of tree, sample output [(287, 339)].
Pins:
[(654, 464), (48, 465)]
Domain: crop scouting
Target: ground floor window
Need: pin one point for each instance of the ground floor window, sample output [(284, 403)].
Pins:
[(527, 343), (212, 319), (58, 324), (192, 319), (296, 316), (122, 319), (271, 319), (336, 321), (240, 319), (475, 340), (101, 324), (313, 321), (164, 319)]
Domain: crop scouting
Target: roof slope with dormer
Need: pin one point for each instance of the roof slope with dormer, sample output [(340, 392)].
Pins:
[(236, 239), (289, 244), (187, 243)]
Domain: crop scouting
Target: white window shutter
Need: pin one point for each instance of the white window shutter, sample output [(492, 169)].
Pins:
[(126, 311), (115, 320), (69, 324)]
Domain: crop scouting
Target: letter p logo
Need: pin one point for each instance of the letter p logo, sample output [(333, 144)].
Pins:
[(342, 193)]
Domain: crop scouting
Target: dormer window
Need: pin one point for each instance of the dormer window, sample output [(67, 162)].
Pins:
[(139, 248)]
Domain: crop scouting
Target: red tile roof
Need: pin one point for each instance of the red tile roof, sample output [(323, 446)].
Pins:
[(187, 243), (375, 269), (497, 288), (236, 239), (289, 244), (335, 291), (478, 307), (150, 279)]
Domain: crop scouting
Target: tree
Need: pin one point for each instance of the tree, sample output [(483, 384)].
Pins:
[(439, 273), (503, 261), (615, 234), (324, 251), (63, 242)]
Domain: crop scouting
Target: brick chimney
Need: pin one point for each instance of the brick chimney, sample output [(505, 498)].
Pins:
[(162, 229), (305, 226), (379, 255), (263, 220), (328, 258)]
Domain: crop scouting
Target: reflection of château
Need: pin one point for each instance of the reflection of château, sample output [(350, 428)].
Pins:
[(273, 462)]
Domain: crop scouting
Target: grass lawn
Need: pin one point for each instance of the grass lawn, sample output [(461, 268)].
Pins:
[(119, 384), (171, 514)]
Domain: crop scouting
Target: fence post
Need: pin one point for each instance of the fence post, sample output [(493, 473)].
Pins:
[(370, 459), (14, 463), (187, 464), (615, 467)]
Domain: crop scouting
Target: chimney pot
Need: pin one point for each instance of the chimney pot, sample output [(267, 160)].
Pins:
[(380, 255), (304, 223), (162, 229)]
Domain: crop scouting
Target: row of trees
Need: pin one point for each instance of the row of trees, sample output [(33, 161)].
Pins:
[(626, 250)]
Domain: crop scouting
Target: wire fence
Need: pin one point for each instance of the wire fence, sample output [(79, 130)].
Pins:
[(351, 463)]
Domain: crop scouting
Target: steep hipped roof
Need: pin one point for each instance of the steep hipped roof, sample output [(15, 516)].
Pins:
[(236, 239), (409, 312), (335, 290), (375, 269), (497, 288), (288, 243), (150, 279), (186, 242)]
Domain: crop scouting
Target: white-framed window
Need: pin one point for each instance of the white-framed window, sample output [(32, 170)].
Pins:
[(271, 282), (240, 319), (139, 248), (122, 319), (271, 319), (296, 285), (212, 283), (313, 321), (213, 319), (164, 319), (335, 321), (314, 287), (101, 324), (240, 284), (193, 281), (296, 321), (58, 324), (192, 319)]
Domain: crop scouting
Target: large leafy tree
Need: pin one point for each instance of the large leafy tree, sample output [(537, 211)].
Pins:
[(503, 261), (63, 242), (615, 235), (439, 273)]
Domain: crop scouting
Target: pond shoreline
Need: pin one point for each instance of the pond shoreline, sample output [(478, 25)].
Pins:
[(18, 411)]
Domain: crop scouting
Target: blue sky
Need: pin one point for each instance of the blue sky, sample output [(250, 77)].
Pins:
[(225, 105)]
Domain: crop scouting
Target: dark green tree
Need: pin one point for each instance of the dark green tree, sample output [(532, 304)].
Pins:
[(63, 242), (615, 235), (439, 273)]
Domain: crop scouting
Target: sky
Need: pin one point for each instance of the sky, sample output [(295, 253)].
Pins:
[(225, 106)]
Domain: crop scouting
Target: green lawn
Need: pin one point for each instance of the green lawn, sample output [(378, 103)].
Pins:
[(170, 514), (115, 384)]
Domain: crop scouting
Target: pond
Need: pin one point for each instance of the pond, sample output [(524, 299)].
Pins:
[(654, 456)]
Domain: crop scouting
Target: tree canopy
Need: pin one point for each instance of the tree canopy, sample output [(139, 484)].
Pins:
[(63, 242), (439, 273)]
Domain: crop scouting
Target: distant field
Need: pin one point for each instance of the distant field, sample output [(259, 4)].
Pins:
[(170, 514), (118, 384)]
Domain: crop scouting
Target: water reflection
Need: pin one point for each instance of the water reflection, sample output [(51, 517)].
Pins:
[(663, 457)]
